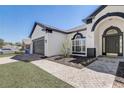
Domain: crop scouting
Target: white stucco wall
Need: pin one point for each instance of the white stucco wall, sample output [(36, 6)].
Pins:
[(37, 34), (93, 39), (117, 22), (108, 9), (105, 23), (55, 41)]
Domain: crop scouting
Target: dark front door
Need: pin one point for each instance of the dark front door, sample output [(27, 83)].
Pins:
[(112, 44), (38, 46)]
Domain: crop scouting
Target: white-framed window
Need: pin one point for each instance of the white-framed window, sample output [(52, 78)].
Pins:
[(79, 45), (121, 44)]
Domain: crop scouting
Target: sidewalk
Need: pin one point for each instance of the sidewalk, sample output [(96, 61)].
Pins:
[(5, 60)]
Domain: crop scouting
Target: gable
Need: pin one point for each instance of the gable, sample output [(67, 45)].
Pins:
[(92, 15), (109, 11), (37, 32), (46, 28)]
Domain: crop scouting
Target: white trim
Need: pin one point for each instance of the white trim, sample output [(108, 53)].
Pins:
[(82, 42)]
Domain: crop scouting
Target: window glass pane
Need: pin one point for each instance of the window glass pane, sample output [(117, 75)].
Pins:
[(113, 31), (78, 45), (120, 44), (77, 36), (80, 42), (74, 42), (103, 44), (83, 48), (83, 42), (77, 42), (78, 48)]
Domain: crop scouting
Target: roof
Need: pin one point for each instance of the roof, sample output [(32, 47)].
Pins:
[(47, 27), (94, 13), (77, 28)]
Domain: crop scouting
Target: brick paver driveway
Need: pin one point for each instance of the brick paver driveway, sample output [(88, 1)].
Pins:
[(99, 74)]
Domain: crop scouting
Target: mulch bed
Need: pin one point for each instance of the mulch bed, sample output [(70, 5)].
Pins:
[(119, 80), (73, 61), (28, 57)]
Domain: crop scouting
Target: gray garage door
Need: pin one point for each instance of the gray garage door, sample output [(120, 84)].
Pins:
[(38, 46)]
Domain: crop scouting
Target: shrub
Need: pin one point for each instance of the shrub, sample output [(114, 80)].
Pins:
[(66, 48)]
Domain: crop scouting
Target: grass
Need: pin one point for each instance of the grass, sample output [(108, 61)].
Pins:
[(27, 75), (7, 55), (10, 54)]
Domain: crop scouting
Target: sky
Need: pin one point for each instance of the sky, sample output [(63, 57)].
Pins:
[(16, 22)]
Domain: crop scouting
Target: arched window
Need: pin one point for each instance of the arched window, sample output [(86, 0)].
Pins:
[(77, 36), (78, 44), (111, 31)]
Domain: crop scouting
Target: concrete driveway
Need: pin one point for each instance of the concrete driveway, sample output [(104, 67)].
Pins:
[(5, 60), (99, 74)]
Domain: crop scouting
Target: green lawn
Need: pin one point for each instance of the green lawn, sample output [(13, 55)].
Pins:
[(7, 55), (11, 54), (21, 74)]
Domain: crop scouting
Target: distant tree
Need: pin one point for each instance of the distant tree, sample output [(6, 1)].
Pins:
[(10, 43), (18, 44), (1, 42)]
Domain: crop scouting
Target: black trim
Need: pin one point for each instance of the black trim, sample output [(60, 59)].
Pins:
[(119, 14), (32, 30), (112, 27), (78, 34), (89, 21), (78, 53), (99, 9), (49, 30), (45, 27)]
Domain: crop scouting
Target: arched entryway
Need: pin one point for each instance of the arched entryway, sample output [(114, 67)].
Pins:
[(112, 41)]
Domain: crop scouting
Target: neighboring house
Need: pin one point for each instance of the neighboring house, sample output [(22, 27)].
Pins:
[(26, 45), (102, 34), (8, 48)]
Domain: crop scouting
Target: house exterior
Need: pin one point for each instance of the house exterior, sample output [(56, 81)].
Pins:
[(26, 45), (102, 34), (8, 48)]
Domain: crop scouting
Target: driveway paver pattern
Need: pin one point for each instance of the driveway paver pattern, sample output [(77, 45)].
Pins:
[(99, 74)]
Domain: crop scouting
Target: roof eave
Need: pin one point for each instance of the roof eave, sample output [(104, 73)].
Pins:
[(77, 30), (94, 13), (46, 27)]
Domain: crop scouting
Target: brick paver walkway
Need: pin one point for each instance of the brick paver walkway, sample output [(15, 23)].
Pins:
[(99, 74)]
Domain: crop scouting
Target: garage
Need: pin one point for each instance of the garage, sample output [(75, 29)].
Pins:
[(38, 46)]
